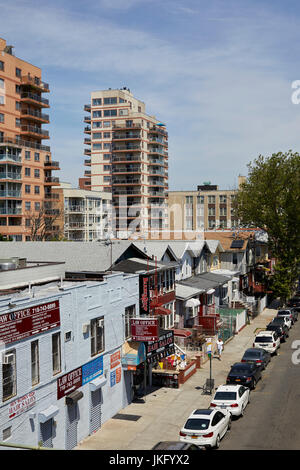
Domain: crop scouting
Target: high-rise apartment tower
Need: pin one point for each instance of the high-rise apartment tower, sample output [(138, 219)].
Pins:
[(25, 161), (128, 157)]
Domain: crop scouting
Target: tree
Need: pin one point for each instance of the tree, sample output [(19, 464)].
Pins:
[(270, 199), (44, 224)]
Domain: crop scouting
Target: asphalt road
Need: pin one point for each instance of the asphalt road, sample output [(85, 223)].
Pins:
[(272, 418)]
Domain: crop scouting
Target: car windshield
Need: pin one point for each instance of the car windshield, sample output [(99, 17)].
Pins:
[(278, 320), (264, 339), (225, 396), (197, 424), (283, 312)]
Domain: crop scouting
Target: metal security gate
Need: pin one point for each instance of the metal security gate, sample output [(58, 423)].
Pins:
[(95, 410), (46, 433), (71, 428)]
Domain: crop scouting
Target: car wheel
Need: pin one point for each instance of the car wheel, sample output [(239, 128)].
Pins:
[(229, 424), (253, 384), (242, 410), (217, 444)]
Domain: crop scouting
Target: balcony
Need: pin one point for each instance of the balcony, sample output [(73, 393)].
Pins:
[(52, 196), (87, 108), (10, 210), (137, 125), (158, 130), (75, 208), (87, 162), (12, 159), (87, 119), (52, 165), (124, 192), (10, 175), (127, 169), (127, 136), (87, 129), (126, 181), (17, 142), (124, 159), (87, 173), (32, 98), (36, 83), (51, 180), (10, 193), (87, 152), (125, 148), (87, 141), (34, 115), (33, 131)]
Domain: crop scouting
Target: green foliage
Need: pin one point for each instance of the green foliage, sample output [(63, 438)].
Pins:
[(270, 200)]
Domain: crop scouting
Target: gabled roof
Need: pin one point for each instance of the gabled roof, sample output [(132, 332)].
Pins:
[(227, 237), (156, 249), (134, 265), (214, 245)]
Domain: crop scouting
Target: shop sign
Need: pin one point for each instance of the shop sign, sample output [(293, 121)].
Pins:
[(144, 329), (161, 348), (115, 359), (69, 382), (144, 290), (21, 405), (92, 369), (21, 324)]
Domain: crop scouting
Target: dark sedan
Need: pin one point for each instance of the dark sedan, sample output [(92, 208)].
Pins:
[(258, 356), (281, 330), (244, 373), (293, 302)]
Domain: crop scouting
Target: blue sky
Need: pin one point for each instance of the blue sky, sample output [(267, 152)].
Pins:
[(218, 73)]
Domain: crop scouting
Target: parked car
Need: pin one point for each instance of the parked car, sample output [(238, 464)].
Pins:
[(257, 355), (244, 373), (206, 427), (268, 340), (234, 398), (176, 445), (282, 321), (294, 302), (286, 313), (282, 330)]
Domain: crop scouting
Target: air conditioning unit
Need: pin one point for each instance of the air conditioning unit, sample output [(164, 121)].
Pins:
[(8, 358), (85, 328), (101, 323)]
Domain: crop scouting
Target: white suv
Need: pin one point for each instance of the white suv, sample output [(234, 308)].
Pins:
[(267, 340)]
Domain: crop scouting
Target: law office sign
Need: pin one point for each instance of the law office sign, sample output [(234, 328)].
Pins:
[(21, 324), (144, 329)]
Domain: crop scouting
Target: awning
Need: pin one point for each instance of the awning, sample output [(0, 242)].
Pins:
[(97, 383), (235, 279), (162, 311), (182, 333), (73, 397), (210, 291), (48, 413), (225, 286), (192, 303), (133, 353)]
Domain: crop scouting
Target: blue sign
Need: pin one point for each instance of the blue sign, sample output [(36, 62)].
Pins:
[(92, 369), (113, 378)]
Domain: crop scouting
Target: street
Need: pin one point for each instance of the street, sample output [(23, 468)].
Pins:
[(271, 420)]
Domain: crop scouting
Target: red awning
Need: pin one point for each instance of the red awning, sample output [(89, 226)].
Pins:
[(162, 311), (182, 333)]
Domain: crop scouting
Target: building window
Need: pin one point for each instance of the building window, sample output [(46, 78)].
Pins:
[(223, 199), (18, 89), (97, 114), (36, 157), (2, 99), (6, 434), (106, 123), (111, 100), (9, 375), (97, 124), (27, 154), (18, 122), (234, 258), (27, 188), (37, 206), (18, 105), (129, 313), (1, 117), (189, 212), (123, 112), (106, 135), (106, 167), (97, 135), (97, 101), (1, 66), (18, 72), (27, 205), (1, 83), (109, 112), (27, 171), (97, 336), (36, 190), (97, 146), (36, 173), (211, 199), (56, 353), (35, 367)]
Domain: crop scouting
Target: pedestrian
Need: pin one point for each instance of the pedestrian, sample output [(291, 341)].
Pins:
[(220, 345)]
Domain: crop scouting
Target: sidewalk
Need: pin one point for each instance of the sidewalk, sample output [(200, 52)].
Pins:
[(166, 409)]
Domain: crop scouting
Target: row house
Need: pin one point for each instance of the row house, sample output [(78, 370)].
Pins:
[(62, 345)]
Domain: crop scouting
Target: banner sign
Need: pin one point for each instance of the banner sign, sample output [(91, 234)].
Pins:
[(144, 290), (144, 329), (21, 324), (115, 359), (22, 404), (78, 377), (162, 348)]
